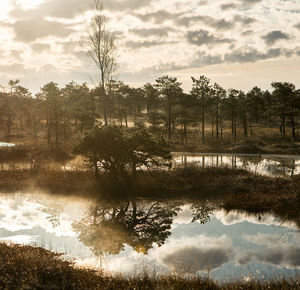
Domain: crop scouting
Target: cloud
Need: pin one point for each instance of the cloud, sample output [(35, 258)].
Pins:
[(202, 37), (193, 259), (251, 2), (32, 29), (228, 6), (39, 47), (71, 8), (12, 68), (247, 32), (275, 35), (297, 25), (146, 32), (158, 17), (144, 44), (245, 20), (251, 55), (219, 24)]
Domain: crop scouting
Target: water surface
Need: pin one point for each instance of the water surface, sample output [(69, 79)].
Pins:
[(265, 164), (4, 144), (155, 236)]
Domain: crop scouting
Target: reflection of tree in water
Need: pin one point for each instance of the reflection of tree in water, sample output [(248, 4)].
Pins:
[(201, 213), (106, 230), (274, 166), (53, 215), (282, 167)]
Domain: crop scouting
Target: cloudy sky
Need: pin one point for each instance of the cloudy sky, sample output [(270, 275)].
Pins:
[(237, 43)]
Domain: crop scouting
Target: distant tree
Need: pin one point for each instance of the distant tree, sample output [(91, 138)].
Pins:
[(101, 45), (218, 94), (169, 89), (269, 103), (12, 84), (79, 104), (256, 104), (287, 102), (202, 90), (51, 94), (22, 96), (232, 104), (152, 98), (155, 119), (125, 106), (186, 113), (243, 107)]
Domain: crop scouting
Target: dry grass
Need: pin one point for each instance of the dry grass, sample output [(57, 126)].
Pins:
[(187, 182), (26, 267)]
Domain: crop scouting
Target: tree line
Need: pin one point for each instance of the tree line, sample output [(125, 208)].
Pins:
[(57, 114)]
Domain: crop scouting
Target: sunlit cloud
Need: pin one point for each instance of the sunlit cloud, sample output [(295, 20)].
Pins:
[(155, 37)]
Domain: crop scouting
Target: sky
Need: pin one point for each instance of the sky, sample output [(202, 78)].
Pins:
[(237, 43)]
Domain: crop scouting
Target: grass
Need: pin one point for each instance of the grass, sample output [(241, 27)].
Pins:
[(27, 267), (28, 152), (246, 146), (189, 181)]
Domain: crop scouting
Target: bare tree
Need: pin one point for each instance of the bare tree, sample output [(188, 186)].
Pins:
[(101, 44)]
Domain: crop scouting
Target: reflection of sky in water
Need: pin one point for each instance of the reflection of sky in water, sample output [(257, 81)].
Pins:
[(265, 164), (4, 144), (231, 245)]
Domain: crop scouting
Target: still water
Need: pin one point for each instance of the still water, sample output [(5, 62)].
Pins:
[(265, 164), (157, 237), (270, 165), (4, 144)]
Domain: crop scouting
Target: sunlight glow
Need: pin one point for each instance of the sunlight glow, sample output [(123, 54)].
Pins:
[(29, 4)]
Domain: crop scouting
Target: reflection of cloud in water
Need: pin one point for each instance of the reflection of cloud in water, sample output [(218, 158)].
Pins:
[(270, 240), (193, 259), (288, 257), (19, 239), (22, 212), (184, 216), (277, 250), (192, 254), (235, 217)]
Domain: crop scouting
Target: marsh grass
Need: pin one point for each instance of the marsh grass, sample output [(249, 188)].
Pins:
[(27, 267), (182, 182), (13, 153)]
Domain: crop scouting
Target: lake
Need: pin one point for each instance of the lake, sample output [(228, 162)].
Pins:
[(157, 237)]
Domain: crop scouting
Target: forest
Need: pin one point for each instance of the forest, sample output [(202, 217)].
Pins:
[(207, 114)]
